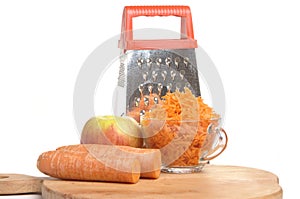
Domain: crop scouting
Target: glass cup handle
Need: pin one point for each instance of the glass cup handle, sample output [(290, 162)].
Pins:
[(222, 144)]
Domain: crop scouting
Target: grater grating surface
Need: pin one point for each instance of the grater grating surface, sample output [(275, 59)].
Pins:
[(159, 71)]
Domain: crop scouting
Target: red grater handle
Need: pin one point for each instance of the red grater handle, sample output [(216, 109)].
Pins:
[(187, 33)]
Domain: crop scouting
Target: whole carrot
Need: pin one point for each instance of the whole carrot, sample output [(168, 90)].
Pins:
[(91, 163), (150, 159)]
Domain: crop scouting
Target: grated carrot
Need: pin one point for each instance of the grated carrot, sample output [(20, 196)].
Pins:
[(178, 127)]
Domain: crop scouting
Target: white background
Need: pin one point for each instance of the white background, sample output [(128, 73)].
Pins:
[(255, 46)]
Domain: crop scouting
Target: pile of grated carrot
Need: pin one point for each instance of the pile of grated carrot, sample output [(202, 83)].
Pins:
[(184, 128)]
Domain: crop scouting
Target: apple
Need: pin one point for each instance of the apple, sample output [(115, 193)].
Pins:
[(112, 130)]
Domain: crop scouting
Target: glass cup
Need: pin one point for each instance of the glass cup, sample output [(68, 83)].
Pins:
[(186, 146)]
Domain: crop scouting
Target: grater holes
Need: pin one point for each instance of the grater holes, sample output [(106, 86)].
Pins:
[(187, 85), (160, 88), (164, 74), (177, 61), (173, 75), (154, 75), (149, 62), (145, 75), (186, 61), (154, 88), (155, 99), (178, 86), (169, 87), (137, 101), (158, 61), (150, 88), (181, 74), (148, 94), (141, 89), (168, 61), (142, 112), (146, 101), (140, 62)]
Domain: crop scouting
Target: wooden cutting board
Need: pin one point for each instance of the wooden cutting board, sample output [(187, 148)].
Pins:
[(224, 182)]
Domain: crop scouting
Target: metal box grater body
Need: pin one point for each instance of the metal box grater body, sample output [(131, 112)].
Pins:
[(151, 68)]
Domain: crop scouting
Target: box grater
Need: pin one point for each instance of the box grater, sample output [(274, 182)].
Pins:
[(151, 68)]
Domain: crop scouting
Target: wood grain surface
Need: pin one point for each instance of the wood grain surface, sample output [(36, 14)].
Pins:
[(19, 184), (224, 182)]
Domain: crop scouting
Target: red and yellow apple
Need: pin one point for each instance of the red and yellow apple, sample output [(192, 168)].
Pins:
[(112, 130)]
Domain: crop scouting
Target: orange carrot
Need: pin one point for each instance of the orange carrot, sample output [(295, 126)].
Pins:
[(91, 163), (150, 159)]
